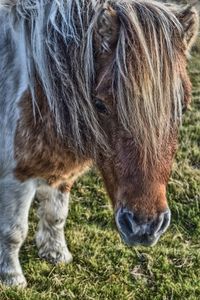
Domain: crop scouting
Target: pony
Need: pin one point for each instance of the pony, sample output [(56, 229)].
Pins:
[(87, 82)]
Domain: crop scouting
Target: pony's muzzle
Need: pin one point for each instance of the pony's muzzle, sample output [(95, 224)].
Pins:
[(135, 233)]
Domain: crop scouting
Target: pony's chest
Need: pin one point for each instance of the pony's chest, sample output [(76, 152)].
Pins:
[(37, 157), (39, 151), (41, 155)]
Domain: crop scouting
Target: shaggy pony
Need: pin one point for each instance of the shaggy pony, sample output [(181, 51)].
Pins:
[(81, 82)]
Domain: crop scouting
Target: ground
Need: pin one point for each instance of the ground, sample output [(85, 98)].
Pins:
[(103, 267)]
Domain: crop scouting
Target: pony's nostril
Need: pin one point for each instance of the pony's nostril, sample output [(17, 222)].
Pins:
[(124, 221), (134, 232), (166, 221), (160, 226)]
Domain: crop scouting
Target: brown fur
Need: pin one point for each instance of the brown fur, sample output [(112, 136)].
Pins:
[(40, 152)]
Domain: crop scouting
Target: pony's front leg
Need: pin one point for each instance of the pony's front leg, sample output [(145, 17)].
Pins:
[(50, 237), (15, 200)]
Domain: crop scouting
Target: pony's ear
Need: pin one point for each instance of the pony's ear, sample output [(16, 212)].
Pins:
[(107, 29), (189, 18)]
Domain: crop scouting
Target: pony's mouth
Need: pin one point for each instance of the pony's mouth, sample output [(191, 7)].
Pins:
[(145, 234)]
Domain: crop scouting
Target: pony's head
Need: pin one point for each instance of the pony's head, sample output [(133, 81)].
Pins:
[(142, 88)]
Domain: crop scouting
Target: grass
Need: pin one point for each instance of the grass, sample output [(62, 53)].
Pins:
[(103, 267)]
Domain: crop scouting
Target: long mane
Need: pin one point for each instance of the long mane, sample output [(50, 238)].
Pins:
[(146, 86)]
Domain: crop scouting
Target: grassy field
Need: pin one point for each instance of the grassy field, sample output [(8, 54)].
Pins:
[(103, 267)]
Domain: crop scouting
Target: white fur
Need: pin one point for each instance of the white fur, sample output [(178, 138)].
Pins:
[(52, 212)]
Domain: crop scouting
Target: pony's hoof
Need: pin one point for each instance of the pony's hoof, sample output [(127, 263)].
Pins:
[(13, 280), (56, 256)]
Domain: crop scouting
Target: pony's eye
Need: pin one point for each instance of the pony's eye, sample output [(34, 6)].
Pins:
[(100, 106)]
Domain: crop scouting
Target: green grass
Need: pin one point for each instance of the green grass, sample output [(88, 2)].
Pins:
[(103, 267)]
